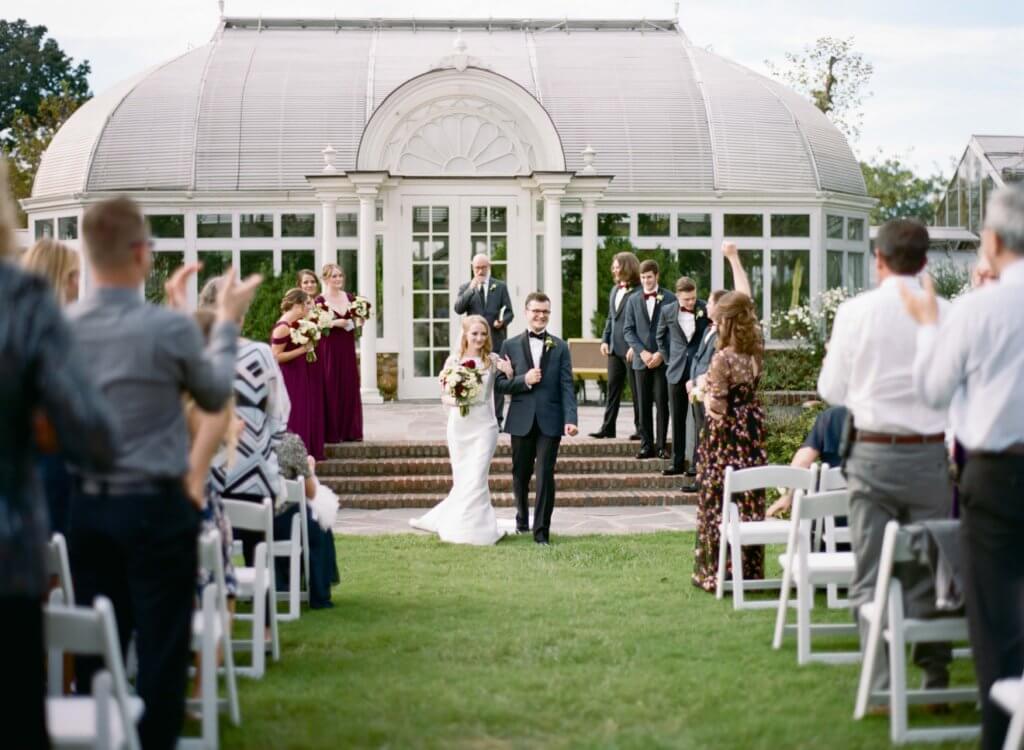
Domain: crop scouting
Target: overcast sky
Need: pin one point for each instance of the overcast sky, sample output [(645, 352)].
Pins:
[(944, 69)]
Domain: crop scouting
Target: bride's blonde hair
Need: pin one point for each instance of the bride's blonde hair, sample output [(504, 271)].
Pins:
[(485, 351)]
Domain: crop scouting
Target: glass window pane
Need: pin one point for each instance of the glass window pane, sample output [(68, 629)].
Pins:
[(751, 260), (440, 357), (421, 219), (170, 226), (572, 293), (67, 228), (654, 225), (833, 269), (693, 225), (349, 261), (419, 247), (298, 225), (834, 227), (420, 305), (539, 211), (347, 224), (441, 335), (293, 260), (855, 229), (215, 263), (257, 261), (440, 305), (213, 225), (43, 228), (421, 364), (613, 225), (499, 249), (744, 225), (420, 277), (572, 225), (791, 225), (421, 335), (440, 276), (439, 219), (791, 284), (499, 219), (378, 212), (540, 260), (440, 249), (478, 219), (256, 225), (379, 259), (697, 265), (854, 271), (164, 264)]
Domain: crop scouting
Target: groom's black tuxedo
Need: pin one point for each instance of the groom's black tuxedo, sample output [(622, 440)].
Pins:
[(536, 420)]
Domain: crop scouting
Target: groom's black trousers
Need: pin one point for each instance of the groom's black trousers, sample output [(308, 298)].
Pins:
[(534, 448)]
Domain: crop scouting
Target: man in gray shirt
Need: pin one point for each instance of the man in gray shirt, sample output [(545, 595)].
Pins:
[(134, 528)]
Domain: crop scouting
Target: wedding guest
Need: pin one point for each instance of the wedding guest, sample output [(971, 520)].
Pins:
[(643, 314), (487, 297), (58, 264), (134, 526), (821, 444), (679, 336), (320, 512), (897, 468), (972, 362), (734, 435), (44, 370), (626, 278), (305, 392), (342, 402)]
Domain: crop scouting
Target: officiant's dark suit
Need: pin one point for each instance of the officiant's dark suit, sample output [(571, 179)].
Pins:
[(618, 369), (679, 350), (536, 420), (643, 313), (491, 301)]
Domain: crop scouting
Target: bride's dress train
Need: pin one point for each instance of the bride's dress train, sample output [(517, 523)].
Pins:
[(466, 516)]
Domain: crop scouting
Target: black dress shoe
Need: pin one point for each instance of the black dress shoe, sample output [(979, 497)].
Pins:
[(646, 453), (600, 435), (664, 454), (636, 436), (543, 542), (522, 531), (672, 471)]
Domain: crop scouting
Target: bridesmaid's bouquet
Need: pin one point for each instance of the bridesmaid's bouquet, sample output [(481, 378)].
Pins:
[(462, 384), (697, 394), (323, 317), (360, 307), (306, 331)]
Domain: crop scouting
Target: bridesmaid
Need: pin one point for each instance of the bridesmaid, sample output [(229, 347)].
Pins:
[(343, 404), (310, 284), (306, 393)]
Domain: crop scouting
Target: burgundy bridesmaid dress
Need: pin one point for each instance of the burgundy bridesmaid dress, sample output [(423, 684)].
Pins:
[(343, 406), (304, 381)]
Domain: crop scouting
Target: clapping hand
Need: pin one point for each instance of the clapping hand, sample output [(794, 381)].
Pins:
[(923, 307), (235, 296), (176, 287), (533, 376)]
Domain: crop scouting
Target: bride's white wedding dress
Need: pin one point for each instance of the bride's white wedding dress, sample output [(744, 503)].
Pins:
[(466, 516)]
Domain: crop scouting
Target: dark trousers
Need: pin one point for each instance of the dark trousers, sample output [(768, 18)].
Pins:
[(618, 372), (499, 407), (140, 552), (652, 391), (697, 409), (323, 564), (23, 711), (991, 528), (534, 448), (680, 405)]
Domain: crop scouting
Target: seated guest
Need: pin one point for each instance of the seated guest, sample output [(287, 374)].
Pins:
[(295, 463), (821, 444)]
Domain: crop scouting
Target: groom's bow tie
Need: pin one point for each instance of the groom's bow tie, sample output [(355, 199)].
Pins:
[(650, 295), (540, 335)]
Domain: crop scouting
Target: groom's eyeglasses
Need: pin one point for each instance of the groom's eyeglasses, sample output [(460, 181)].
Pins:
[(539, 311)]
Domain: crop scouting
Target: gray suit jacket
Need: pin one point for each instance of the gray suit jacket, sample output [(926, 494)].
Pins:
[(706, 350), (613, 334), (639, 330), (675, 348), (471, 302)]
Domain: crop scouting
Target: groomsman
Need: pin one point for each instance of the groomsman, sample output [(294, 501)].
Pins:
[(626, 275), (643, 312), (487, 296), (680, 333)]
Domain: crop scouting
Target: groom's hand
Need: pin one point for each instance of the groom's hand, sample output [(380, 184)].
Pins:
[(571, 430), (533, 376)]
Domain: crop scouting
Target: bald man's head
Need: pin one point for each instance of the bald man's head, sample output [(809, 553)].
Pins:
[(481, 267)]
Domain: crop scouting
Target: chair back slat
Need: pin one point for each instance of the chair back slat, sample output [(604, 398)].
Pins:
[(821, 504), (57, 564), (831, 478), (76, 630), (248, 516), (295, 490), (766, 477)]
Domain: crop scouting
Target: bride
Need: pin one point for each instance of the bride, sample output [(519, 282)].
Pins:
[(466, 516)]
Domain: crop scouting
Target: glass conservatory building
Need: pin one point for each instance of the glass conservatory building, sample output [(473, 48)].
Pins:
[(400, 148)]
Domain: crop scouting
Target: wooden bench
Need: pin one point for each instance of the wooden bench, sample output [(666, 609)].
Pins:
[(588, 363)]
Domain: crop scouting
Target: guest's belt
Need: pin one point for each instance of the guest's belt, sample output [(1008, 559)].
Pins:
[(864, 436), (111, 487), (1017, 449)]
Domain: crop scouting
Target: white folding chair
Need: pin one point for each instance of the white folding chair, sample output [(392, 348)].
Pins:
[(736, 533), (832, 478), (108, 718), (1008, 694), (807, 569), (211, 628), (57, 565), (255, 584), (296, 549), (885, 618)]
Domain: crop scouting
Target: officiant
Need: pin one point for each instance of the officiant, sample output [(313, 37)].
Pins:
[(487, 296)]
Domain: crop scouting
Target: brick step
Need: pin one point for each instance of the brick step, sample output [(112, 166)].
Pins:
[(439, 448), (397, 467), (567, 499), (440, 483)]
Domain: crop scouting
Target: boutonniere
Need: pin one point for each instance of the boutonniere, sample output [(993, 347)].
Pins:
[(659, 298), (549, 343), (700, 313), (492, 287)]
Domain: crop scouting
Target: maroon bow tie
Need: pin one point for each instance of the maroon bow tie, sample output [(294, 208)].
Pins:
[(623, 285), (650, 295), (683, 309)]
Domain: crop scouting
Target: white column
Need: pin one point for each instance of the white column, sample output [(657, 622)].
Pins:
[(328, 232), (368, 289), (553, 256), (589, 264)]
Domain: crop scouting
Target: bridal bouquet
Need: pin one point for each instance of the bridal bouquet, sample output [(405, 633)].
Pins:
[(360, 307), (462, 384), (306, 331)]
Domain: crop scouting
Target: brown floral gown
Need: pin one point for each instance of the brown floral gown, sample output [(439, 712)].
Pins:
[(733, 435)]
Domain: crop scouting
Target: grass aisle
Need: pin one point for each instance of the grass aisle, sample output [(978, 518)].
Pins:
[(593, 642)]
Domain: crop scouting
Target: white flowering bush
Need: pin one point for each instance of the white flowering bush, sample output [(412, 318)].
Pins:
[(811, 324)]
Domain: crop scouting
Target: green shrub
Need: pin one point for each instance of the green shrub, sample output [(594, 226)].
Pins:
[(786, 432), (265, 309), (951, 279), (790, 370)]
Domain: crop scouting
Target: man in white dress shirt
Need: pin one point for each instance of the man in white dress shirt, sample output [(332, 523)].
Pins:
[(897, 467), (973, 363)]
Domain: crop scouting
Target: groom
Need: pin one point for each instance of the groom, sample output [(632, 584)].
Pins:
[(543, 408)]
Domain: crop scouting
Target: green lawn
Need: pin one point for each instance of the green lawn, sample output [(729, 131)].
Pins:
[(595, 641)]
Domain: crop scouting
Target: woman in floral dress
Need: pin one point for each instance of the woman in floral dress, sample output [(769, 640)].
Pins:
[(734, 435)]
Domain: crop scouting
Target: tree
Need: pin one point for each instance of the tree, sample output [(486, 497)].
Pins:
[(900, 193), (832, 76), (33, 68)]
